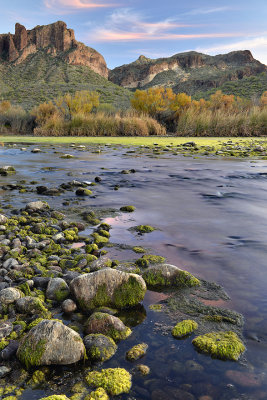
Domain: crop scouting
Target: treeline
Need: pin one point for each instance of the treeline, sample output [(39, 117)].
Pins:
[(154, 112)]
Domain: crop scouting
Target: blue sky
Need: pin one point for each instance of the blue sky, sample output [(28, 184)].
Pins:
[(121, 30)]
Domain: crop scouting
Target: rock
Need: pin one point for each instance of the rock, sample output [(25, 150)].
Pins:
[(184, 328), (36, 150), (99, 347), (10, 263), (244, 378), (136, 352), (98, 394), (108, 287), (59, 237), (144, 369), (6, 328), (6, 170), (10, 350), (37, 206), (114, 380), (50, 342), (108, 325), (31, 305), (10, 295), (169, 275), (3, 219), (102, 262), (4, 371), (57, 289), (70, 275), (224, 345), (83, 192), (68, 306)]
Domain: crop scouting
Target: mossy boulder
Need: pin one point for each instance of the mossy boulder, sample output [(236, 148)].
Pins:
[(184, 328), (137, 352), (144, 229), (223, 345), (127, 209), (32, 305), (114, 380), (50, 342), (99, 347), (108, 287), (57, 289), (149, 259), (108, 325), (55, 397), (98, 394), (169, 275)]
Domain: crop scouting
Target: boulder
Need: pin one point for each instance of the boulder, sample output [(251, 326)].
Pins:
[(50, 342), (108, 325), (3, 219), (37, 206), (6, 328), (108, 287), (57, 289), (10, 295), (99, 347), (169, 275), (31, 305)]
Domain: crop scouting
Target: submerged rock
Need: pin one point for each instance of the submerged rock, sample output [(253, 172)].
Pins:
[(137, 352), (107, 325), (224, 345), (99, 347), (114, 380), (108, 287), (169, 275), (184, 328), (50, 342)]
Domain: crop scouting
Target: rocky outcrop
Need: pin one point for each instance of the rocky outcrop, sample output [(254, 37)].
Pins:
[(55, 39), (187, 71)]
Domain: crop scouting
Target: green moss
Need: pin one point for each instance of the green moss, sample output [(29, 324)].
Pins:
[(98, 394), (100, 299), (91, 248), (184, 328), (119, 335), (138, 249), (155, 307), (127, 209), (22, 324), (105, 226), (100, 240), (30, 353), (219, 319), (156, 278), (129, 293), (148, 259), (185, 279), (104, 233), (3, 344), (25, 288), (34, 323), (55, 397), (224, 345), (114, 380), (144, 369), (144, 228), (97, 353), (37, 378), (136, 352)]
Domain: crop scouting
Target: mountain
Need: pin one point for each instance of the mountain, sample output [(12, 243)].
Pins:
[(189, 72), (39, 64)]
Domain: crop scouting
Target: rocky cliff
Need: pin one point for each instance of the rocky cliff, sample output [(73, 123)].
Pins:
[(190, 72), (56, 40)]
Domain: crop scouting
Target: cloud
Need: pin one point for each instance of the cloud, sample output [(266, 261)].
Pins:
[(127, 25), (257, 45), (57, 5), (203, 11)]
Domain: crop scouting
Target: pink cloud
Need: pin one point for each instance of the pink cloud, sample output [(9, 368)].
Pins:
[(75, 4)]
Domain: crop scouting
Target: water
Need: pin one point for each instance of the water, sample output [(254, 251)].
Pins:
[(211, 219)]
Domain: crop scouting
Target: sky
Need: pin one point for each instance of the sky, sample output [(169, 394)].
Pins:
[(122, 30)]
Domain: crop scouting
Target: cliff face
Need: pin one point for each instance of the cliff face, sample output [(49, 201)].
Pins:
[(187, 72), (55, 39)]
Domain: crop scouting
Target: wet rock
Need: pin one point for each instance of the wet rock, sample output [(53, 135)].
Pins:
[(244, 378), (102, 262), (41, 189), (57, 289), (83, 192), (59, 237), (108, 325), (4, 371), (50, 342), (9, 295), (108, 287), (10, 350), (36, 150), (136, 352), (6, 328), (37, 206), (31, 305), (68, 306), (6, 170), (3, 219), (169, 275), (99, 347)]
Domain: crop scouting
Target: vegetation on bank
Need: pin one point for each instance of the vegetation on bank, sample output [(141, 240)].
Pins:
[(154, 112)]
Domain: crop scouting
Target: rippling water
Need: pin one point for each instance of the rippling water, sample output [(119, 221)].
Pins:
[(211, 216)]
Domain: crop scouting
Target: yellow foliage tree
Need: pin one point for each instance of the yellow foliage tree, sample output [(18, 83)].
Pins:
[(263, 100), (44, 112), (81, 103), (5, 105), (153, 101)]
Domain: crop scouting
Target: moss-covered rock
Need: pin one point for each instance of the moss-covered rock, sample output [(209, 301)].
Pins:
[(169, 275), (127, 209), (98, 394), (32, 305), (144, 369), (99, 347), (224, 345), (144, 229), (184, 328), (114, 380), (55, 397), (149, 259), (108, 287), (108, 325), (137, 352)]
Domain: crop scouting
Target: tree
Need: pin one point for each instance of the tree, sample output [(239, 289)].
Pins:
[(153, 101), (44, 112), (263, 100), (81, 103), (5, 105)]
